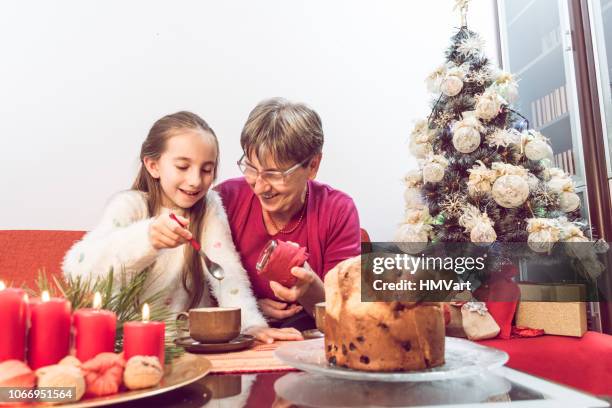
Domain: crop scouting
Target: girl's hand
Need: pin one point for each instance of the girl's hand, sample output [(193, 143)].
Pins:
[(269, 334), (278, 310), (164, 232)]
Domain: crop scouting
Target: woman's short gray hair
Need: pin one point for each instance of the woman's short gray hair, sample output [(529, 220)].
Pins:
[(288, 131)]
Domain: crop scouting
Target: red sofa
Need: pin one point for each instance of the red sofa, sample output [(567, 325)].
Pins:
[(24, 253), (584, 363)]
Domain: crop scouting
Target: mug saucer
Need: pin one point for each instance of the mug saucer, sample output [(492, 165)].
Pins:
[(193, 346), (312, 334)]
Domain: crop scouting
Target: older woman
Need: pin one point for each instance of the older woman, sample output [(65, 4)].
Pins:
[(278, 198)]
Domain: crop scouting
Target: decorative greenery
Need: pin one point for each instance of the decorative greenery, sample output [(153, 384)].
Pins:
[(123, 295), (439, 220)]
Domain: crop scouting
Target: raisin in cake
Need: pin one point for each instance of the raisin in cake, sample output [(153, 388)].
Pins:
[(378, 336)]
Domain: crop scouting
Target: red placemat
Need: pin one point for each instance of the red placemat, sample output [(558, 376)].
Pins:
[(258, 359)]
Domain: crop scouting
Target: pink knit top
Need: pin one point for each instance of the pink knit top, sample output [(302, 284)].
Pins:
[(330, 230)]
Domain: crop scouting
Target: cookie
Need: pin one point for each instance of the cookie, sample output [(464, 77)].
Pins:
[(71, 361), (103, 374), (142, 372), (62, 375)]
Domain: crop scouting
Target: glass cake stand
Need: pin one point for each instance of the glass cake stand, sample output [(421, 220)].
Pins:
[(313, 390), (462, 357)]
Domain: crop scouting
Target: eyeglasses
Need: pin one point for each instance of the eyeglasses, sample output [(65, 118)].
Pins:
[(269, 176)]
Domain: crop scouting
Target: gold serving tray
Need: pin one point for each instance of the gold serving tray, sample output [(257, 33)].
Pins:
[(183, 371)]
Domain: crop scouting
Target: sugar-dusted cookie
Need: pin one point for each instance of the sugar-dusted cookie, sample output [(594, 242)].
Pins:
[(71, 361), (62, 375), (142, 372), (15, 373)]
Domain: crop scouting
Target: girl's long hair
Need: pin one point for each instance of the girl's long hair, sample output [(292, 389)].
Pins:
[(192, 276)]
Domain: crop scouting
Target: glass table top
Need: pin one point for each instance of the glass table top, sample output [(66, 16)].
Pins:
[(499, 387)]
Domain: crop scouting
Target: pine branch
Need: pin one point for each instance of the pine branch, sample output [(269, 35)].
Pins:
[(42, 283)]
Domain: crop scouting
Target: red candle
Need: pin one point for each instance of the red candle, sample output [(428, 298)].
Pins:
[(94, 330), (144, 338), (49, 336), (13, 323)]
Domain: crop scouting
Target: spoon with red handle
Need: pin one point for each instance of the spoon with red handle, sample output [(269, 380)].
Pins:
[(214, 268)]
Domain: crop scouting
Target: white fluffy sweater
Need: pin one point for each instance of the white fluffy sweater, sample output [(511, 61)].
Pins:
[(121, 241)]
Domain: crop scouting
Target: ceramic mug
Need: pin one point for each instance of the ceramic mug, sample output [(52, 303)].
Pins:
[(212, 324), (319, 313)]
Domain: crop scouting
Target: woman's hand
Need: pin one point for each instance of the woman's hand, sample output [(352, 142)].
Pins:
[(278, 310), (269, 334), (305, 278), (164, 232), (308, 290)]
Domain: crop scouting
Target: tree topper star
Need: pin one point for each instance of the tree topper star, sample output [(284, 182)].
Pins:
[(461, 4), (462, 7)]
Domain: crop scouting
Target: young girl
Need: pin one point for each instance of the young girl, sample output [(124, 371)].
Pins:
[(179, 161)]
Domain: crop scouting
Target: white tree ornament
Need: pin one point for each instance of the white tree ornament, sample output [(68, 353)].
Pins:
[(478, 224), (571, 232), (505, 85), (433, 172), (420, 139), (538, 150), (434, 168), (551, 173), (481, 179), (503, 138), (510, 191), (413, 197), (543, 233), (471, 46), (561, 184), (413, 178), (483, 233), (536, 146), (569, 201), (466, 133), (489, 104), (412, 238), (434, 80), (420, 150), (417, 214), (452, 83)]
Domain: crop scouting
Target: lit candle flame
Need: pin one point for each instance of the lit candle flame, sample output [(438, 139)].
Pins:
[(45, 296), (145, 312), (26, 298), (2, 285), (97, 301)]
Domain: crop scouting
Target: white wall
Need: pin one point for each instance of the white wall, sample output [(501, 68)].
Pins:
[(82, 82)]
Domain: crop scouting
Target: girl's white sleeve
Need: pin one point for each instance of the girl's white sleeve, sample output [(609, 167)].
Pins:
[(119, 242), (235, 289)]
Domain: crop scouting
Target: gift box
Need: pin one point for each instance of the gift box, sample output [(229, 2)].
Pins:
[(552, 292), (546, 307), (471, 320)]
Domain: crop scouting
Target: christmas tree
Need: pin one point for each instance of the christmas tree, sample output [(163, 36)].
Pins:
[(483, 176)]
